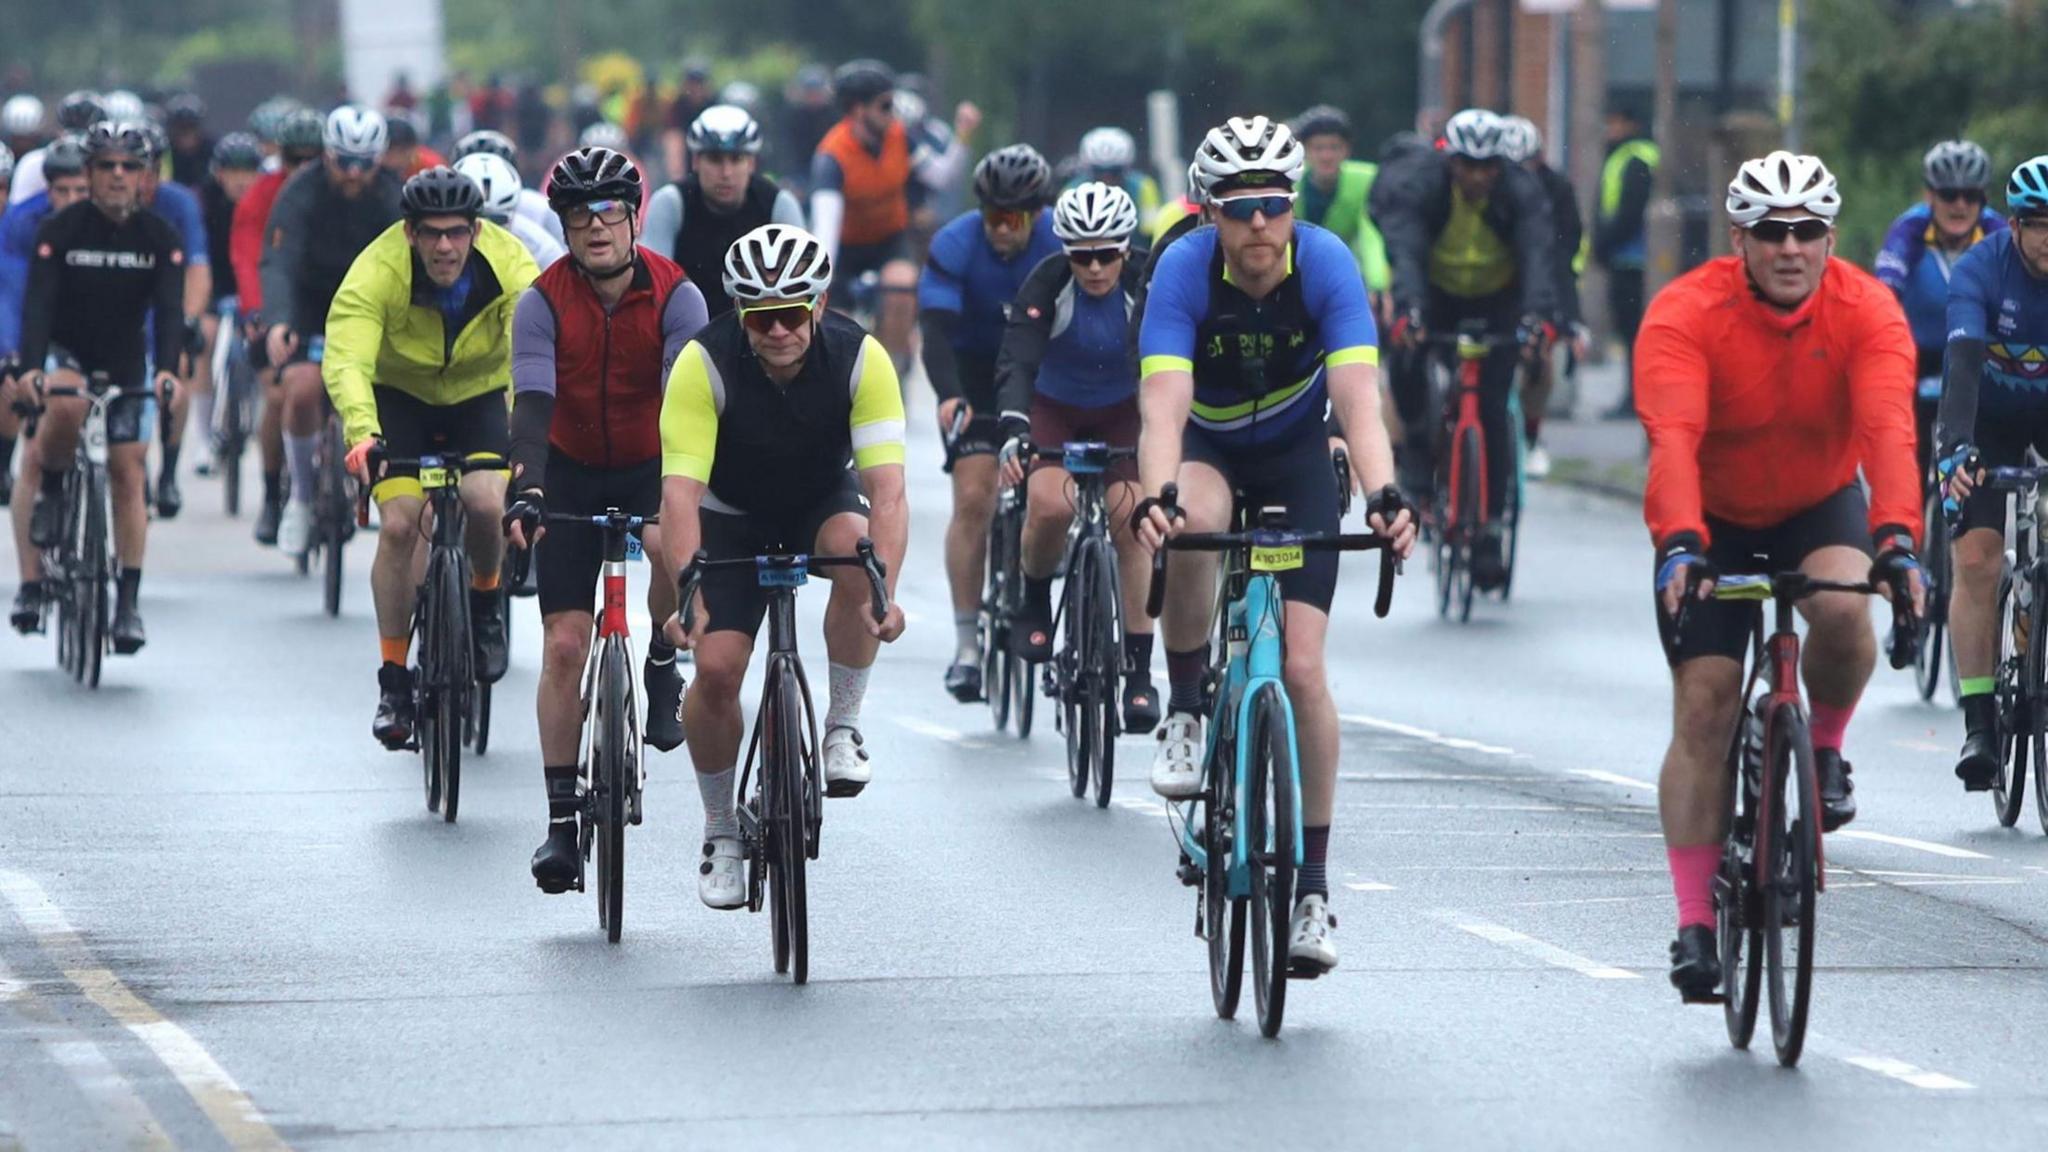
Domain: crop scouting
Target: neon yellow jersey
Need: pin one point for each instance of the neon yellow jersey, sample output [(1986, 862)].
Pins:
[(1468, 259)]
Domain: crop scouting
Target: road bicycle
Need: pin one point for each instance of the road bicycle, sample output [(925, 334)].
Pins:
[(235, 398), (2021, 665), (1459, 502)]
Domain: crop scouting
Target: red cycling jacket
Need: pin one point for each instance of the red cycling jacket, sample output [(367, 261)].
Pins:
[(245, 241), (1755, 415)]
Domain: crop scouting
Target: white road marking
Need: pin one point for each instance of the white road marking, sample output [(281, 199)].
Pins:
[(236, 1116), (1458, 743), (1948, 850), (1613, 778), (1368, 886), (1149, 807), (1436, 778), (1531, 947), (1917, 1077)]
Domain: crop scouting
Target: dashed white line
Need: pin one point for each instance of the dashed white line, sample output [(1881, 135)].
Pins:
[(1368, 886), (1457, 743), (1531, 947), (1948, 850), (1910, 1074), (1614, 778)]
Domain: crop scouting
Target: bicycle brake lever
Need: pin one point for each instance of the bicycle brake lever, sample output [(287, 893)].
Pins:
[(1155, 593)]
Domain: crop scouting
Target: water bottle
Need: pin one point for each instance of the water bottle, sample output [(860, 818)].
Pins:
[(2022, 616)]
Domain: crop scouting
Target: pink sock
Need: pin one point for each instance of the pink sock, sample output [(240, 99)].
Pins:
[(1692, 880), (1828, 724)]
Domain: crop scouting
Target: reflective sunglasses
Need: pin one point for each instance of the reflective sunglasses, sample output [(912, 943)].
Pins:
[(1091, 257), (607, 212), (1960, 195), (1243, 208), (355, 163), (1008, 219), (119, 165), (458, 233), (1805, 230), (766, 318)]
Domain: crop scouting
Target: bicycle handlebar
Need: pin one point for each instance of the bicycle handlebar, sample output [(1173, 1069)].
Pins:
[(864, 558), (949, 436), (1900, 647), (1383, 600)]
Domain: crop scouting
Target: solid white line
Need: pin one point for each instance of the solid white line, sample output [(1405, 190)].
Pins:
[(1458, 743), (1948, 850), (1368, 886), (236, 1116), (1441, 778), (1531, 947), (1902, 1071), (1612, 778)]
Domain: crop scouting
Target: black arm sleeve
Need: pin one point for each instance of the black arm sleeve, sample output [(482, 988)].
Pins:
[(1534, 238), (168, 298), (38, 307), (533, 412), (939, 367), (1955, 424), (1026, 335), (1396, 207), (1570, 229)]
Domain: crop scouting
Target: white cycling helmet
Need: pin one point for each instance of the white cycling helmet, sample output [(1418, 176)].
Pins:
[(122, 106), (1103, 149), (6, 163), (1782, 180), (21, 116), (497, 180), (741, 94), (1197, 195), (1957, 164), (1094, 213), (1520, 139), (909, 107), (353, 130), (604, 134), (1476, 134), (777, 262), (1248, 152)]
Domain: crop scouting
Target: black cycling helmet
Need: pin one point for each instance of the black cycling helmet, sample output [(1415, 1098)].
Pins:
[(1321, 120), (591, 174), (1013, 177), (860, 82), (302, 134), (79, 111), (441, 192), (106, 138), (185, 110), (237, 152), (399, 132), (484, 140), (64, 156)]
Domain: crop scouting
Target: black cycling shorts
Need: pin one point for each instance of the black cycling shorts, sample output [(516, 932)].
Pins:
[(1294, 474), (568, 561), (130, 419), (2003, 443), (477, 427), (733, 600), (983, 434), (1724, 627)]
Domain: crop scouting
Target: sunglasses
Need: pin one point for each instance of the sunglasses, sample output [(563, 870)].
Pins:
[(355, 163), (1010, 219), (458, 233), (768, 317), (607, 212), (1959, 195), (119, 165), (1243, 208), (1092, 257), (1806, 231)]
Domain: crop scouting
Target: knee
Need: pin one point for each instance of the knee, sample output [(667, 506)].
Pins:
[(1979, 556), (397, 531), (1843, 617), (1303, 675), (718, 679), (567, 646), (974, 501), (899, 274), (1704, 704)]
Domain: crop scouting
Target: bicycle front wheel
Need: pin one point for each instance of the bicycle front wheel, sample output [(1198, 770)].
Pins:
[(95, 566), (2016, 723), (1736, 921), (1789, 864), (1222, 914), (2034, 689), (1268, 820), (1927, 663), (1073, 664), (1471, 513), (613, 755), (1106, 649), (783, 762)]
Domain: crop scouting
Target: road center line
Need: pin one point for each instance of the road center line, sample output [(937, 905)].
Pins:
[(1948, 850), (1531, 947), (1457, 743), (1368, 886), (236, 1116), (97, 1079), (1902, 1071)]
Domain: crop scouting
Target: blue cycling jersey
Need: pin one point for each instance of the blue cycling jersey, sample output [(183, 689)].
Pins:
[(180, 206), (1259, 366), (1088, 359), (965, 276), (17, 241), (1912, 265), (1994, 299)]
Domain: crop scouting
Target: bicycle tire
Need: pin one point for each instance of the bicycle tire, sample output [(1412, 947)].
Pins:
[(93, 634), (1270, 850), (786, 825), (1471, 511), (427, 674), (330, 580), (1108, 648), (456, 680), (1223, 914), (2015, 741), (1789, 860), (1072, 664), (1741, 945), (1024, 699), (990, 632), (1927, 662), (482, 710), (2035, 684), (1511, 506), (611, 748), (229, 463)]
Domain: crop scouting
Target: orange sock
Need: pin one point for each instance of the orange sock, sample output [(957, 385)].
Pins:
[(395, 650), (484, 581)]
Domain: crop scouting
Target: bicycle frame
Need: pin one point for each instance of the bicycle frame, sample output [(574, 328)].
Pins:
[(1087, 462), (1471, 355)]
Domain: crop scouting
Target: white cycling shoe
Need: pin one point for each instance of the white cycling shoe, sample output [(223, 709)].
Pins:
[(722, 877), (847, 769), (1537, 463), (1312, 937), (295, 528), (1177, 765)]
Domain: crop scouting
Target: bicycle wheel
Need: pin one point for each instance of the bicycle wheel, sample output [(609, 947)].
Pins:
[(93, 566), (613, 754), (783, 763), (1073, 665), (229, 463), (1927, 662), (2015, 712), (1107, 649), (1788, 859), (1511, 505), (1735, 916), (456, 682), (482, 711), (1223, 914), (1471, 510), (1269, 818), (2034, 687), (1024, 699)]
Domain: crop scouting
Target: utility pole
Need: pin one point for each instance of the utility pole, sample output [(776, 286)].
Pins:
[(1788, 72), (1588, 140)]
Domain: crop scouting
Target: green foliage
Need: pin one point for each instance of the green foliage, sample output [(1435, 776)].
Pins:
[(251, 40)]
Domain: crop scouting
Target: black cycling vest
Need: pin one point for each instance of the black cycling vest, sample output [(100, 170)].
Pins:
[(782, 448), (707, 234), (1246, 348)]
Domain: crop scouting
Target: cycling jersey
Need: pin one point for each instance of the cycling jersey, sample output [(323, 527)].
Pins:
[(1997, 341), (17, 245), (1064, 344), (965, 275), (28, 179), (392, 328), (1469, 258), (1436, 238), (1342, 210), (313, 237), (588, 381), (92, 285), (246, 239), (180, 206), (1917, 268), (684, 227), (1756, 415), (779, 450), (873, 182), (1181, 214), (533, 205), (544, 249), (1259, 365), (218, 213)]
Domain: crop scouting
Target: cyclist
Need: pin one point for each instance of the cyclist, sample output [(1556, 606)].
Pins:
[(500, 184), (977, 263), (299, 139), (102, 266), (323, 219), (533, 204), (591, 344), (1251, 326), (695, 221), (1741, 468), (860, 198), (64, 167), (1177, 218), (192, 150), (1109, 155), (21, 124), (1333, 195), (75, 113), (1991, 405), (1469, 237), (1064, 375), (1920, 254), (1523, 144), (763, 410), (1621, 234), (418, 359), (938, 155), (180, 205), (236, 166), (404, 152)]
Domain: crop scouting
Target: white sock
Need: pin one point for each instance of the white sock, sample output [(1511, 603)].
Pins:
[(849, 686), (298, 453), (720, 819), (966, 637), (200, 435)]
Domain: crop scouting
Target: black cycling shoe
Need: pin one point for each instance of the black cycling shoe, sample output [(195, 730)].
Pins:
[(1696, 964), (963, 680), (169, 501), (46, 522), (1980, 762), (487, 634), (1031, 639), (1489, 568), (6, 488), (1837, 791), (1141, 706), (393, 725), (266, 522), (128, 633), (27, 616), (664, 683), (554, 862)]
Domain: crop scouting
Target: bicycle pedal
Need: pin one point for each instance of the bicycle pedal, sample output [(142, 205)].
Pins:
[(1189, 875), (1706, 999), (1304, 970)]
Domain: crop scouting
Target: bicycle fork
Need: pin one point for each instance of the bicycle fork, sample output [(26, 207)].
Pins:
[(1468, 418)]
